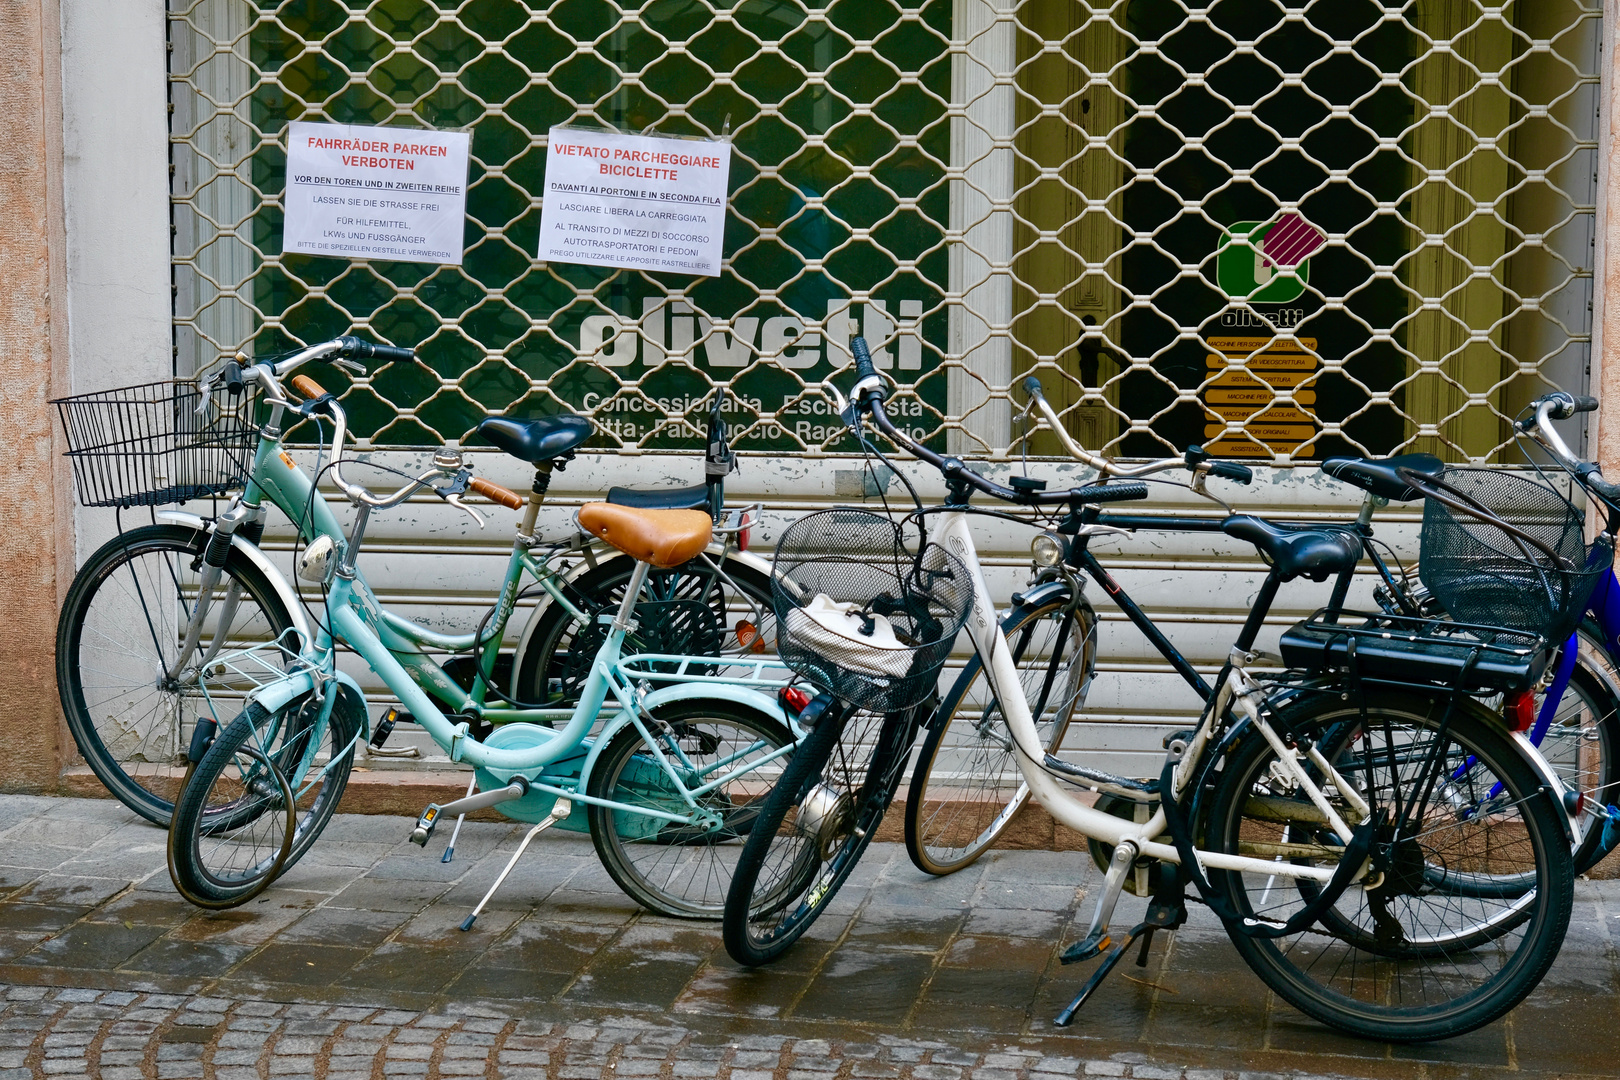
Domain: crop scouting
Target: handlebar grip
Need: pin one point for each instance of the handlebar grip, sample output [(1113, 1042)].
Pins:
[(307, 387), (233, 378), (1583, 403), (495, 493), (1032, 387), (1129, 491), (1231, 470), (388, 352), (864, 368)]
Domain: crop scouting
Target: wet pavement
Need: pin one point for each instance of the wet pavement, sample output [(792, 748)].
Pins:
[(353, 965)]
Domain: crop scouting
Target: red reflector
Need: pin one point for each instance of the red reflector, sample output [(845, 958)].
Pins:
[(744, 533), (1520, 710), (794, 699)]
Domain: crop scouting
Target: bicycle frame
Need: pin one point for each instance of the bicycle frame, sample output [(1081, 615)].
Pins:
[(1236, 692), (394, 649)]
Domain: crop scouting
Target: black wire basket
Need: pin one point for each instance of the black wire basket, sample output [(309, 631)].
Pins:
[(1503, 549), (862, 615), (147, 445)]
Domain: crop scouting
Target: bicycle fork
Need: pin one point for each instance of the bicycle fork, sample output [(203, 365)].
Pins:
[(214, 558)]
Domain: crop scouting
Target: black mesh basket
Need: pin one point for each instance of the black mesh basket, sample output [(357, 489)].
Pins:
[(843, 580), (147, 445), (1502, 549)]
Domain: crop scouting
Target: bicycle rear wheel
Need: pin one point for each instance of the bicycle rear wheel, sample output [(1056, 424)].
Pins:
[(117, 640), (1582, 744), (1470, 899), (818, 821), (697, 609), (667, 867), (967, 788)]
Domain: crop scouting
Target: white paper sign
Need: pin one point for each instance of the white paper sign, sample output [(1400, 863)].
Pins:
[(635, 201), (375, 192)]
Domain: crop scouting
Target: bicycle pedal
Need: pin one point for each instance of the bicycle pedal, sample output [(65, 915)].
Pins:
[(1094, 944)]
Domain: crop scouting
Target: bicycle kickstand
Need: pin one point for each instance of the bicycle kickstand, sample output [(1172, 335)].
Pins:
[(450, 850), (1166, 912), (558, 812)]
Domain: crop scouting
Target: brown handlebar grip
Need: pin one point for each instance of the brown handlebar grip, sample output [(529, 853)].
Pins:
[(495, 493), (307, 387)]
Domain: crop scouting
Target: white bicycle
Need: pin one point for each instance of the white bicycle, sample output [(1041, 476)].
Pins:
[(1381, 851)]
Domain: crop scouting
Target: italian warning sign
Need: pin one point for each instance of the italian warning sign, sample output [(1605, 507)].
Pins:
[(635, 201), (375, 192)]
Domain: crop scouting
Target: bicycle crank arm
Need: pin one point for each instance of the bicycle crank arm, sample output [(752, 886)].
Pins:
[(518, 788)]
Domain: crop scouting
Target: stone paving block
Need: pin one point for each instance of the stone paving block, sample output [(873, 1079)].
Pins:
[(750, 1074), (1105, 1068), (1154, 1072), (409, 1051), (238, 1056), (292, 1066)]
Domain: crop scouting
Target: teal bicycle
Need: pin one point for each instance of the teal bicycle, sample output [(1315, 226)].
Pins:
[(135, 651), (666, 776)]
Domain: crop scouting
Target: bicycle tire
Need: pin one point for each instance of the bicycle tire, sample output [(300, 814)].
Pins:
[(297, 742), (117, 717), (1383, 994), (558, 655), (836, 791), (684, 871), (233, 825), (956, 812)]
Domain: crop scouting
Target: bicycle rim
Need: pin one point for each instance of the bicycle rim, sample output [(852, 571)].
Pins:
[(119, 634), (704, 610), (668, 867), (967, 787), (1433, 949), (818, 821), (233, 825)]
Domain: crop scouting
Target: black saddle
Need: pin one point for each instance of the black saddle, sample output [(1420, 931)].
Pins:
[(1316, 553), (1381, 476), (540, 439), (695, 497)]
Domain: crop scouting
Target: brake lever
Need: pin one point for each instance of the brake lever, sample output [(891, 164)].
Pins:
[(451, 493), (455, 501), (205, 393), (347, 364)]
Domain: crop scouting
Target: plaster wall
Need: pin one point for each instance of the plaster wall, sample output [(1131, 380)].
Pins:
[(32, 366)]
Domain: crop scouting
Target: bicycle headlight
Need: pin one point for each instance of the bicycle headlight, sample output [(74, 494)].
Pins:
[(1049, 549), (317, 561)]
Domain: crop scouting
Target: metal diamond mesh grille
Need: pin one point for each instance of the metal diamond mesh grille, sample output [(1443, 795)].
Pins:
[(1283, 230)]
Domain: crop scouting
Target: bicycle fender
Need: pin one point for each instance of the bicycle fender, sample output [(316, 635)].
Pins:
[(1550, 781), (737, 695), (276, 695), (284, 590)]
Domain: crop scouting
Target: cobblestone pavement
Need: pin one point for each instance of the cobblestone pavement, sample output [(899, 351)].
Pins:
[(352, 966)]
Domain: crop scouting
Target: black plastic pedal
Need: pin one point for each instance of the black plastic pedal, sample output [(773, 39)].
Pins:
[(1093, 944), (385, 728)]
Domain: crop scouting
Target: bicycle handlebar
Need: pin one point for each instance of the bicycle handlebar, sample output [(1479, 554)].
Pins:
[(1561, 406), (1193, 460), (867, 396)]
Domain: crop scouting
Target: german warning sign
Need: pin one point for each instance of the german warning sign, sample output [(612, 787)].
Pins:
[(375, 192), (635, 201)]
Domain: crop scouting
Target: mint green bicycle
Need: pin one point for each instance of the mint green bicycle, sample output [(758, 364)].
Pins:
[(666, 777), (134, 677)]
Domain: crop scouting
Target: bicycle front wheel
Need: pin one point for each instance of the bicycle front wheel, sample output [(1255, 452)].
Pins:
[(967, 788), (1469, 897), (117, 642), (234, 824), (718, 750), (1581, 744), (265, 774), (818, 821)]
